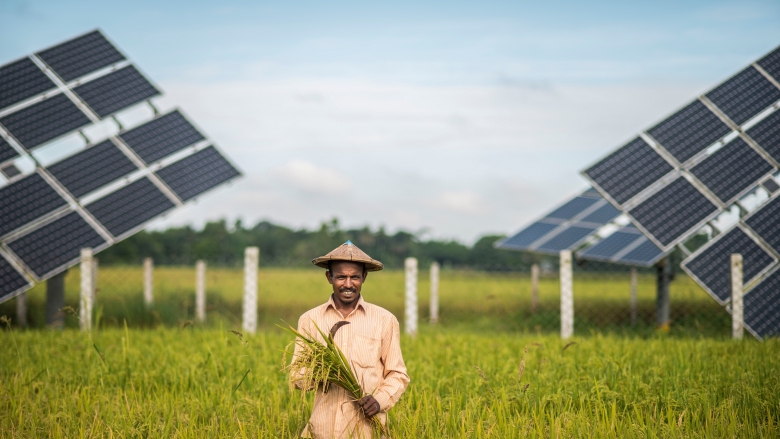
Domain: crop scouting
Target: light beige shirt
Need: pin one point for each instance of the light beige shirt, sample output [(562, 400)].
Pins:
[(372, 344)]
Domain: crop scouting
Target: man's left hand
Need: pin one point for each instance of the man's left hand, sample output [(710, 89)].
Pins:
[(369, 405)]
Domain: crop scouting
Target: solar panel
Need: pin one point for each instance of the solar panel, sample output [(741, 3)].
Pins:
[(6, 151), (198, 173), (767, 134), (645, 254), (20, 80), (25, 201), (673, 211), (711, 264), (113, 92), (602, 215), (629, 170), (92, 168), (56, 245), (732, 169), (770, 185), (572, 208), (44, 121), (766, 223), (613, 244), (761, 304), (771, 64), (689, 131), (744, 95), (567, 238), (161, 137), (523, 239), (11, 280), (129, 207), (81, 55)]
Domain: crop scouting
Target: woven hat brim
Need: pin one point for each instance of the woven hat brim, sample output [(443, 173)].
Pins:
[(371, 264)]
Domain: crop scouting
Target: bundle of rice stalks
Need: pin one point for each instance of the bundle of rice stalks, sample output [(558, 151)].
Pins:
[(319, 365)]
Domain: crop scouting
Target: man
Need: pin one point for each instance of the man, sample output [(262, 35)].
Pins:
[(370, 341)]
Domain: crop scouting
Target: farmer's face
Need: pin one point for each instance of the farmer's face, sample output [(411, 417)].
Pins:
[(347, 278)]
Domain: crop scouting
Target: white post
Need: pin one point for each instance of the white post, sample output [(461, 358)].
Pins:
[(534, 287), (148, 284), (634, 282), (736, 297), (94, 279), (251, 259), (434, 292), (87, 289), (21, 309), (567, 296), (411, 296), (200, 291)]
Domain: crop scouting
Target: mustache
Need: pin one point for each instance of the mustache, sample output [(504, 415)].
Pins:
[(347, 290)]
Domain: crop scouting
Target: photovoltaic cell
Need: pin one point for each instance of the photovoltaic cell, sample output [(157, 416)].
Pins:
[(20, 80), (629, 170), (6, 151), (162, 137), (198, 173), (744, 95), (92, 168), (602, 215), (767, 134), (129, 207), (762, 307), (11, 280), (766, 223), (712, 265), (689, 131), (732, 169), (566, 239), (645, 254), (523, 239), (25, 201), (44, 121), (81, 55), (572, 208), (612, 244), (56, 244), (771, 64), (108, 94), (673, 211), (770, 185)]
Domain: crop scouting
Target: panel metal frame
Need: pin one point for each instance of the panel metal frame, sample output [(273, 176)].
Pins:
[(15, 264)]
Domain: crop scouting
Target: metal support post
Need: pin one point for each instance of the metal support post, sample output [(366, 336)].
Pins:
[(664, 277), (55, 301), (534, 287), (87, 290), (200, 291), (567, 295), (251, 260), (410, 265), (634, 282), (148, 282), (434, 292), (736, 297), (21, 309)]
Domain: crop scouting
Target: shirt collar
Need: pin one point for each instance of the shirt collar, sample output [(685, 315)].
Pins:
[(331, 304)]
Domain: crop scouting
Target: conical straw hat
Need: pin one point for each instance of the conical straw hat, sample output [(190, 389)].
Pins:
[(348, 252)]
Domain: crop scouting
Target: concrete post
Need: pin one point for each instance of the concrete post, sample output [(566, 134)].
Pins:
[(21, 310), (736, 297), (200, 291), (534, 287), (87, 290), (567, 295), (411, 296), (55, 301), (251, 260), (94, 279), (434, 292), (634, 282), (148, 282)]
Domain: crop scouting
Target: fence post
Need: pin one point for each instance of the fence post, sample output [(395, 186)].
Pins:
[(567, 296), (634, 282), (410, 265), (534, 287), (87, 289), (251, 259), (736, 297), (200, 291), (434, 292), (148, 282), (21, 309)]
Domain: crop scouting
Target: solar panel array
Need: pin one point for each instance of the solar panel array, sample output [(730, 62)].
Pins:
[(104, 192)]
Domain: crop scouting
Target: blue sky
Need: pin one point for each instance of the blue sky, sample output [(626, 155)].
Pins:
[(452, 117)]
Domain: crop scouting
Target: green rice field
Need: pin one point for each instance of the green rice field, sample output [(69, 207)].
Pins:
[(491, 369)]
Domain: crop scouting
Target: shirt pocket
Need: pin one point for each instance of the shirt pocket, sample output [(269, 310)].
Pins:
[(366, 351)]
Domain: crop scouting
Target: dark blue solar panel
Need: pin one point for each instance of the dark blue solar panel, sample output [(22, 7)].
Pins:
[(108, 94), (689, 131), (44, 121), (613, 244), (55, 245), (11, 280), (762, 307), (81, 55), (770, 185), (744, 95), (572, 208), (766, 223), (712, 267), (644, 254), (162, 137), (92, 169), (566, 239), (602, 215), (6, 151), (20, 80), (526, 237), (629, 170), (129, 207), (25, 201), (673, 212), (767, 134), (771, 64), (732, 169), (198, 173)]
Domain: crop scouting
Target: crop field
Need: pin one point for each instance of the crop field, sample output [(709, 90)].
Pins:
[(483, 372)]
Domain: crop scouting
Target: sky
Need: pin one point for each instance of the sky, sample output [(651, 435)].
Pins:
[(449, 119)]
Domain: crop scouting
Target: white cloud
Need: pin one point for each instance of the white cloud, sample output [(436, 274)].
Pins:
[(314, 179)]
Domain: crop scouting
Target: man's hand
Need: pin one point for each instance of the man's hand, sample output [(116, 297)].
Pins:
[(369, 405)]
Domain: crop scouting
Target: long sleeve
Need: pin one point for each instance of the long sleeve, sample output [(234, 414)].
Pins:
[(395, 379)]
